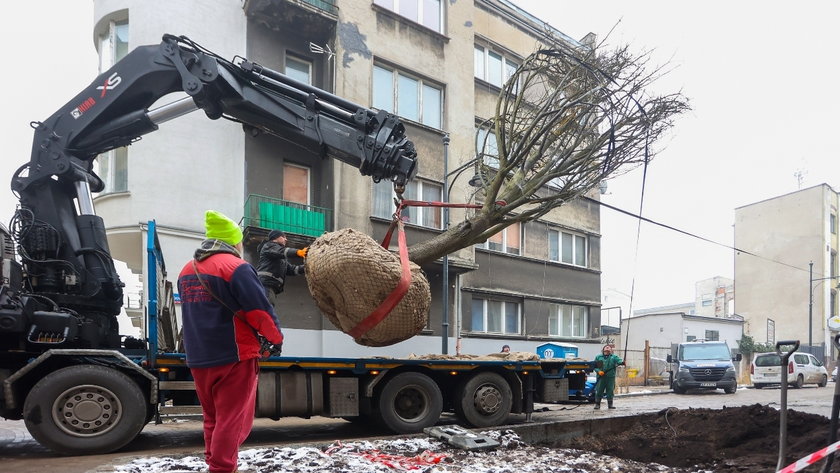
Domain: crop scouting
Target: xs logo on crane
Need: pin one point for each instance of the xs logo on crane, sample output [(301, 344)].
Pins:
[(110, 83)]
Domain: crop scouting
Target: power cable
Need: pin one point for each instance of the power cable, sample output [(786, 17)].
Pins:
[(687, 233)]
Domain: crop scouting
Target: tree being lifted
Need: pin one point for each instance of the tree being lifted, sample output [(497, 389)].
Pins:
[(565, 121)]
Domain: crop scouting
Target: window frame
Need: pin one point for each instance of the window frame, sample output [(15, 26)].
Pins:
[(308, 183), (422, 84), (504, 244), (109, 163), (303, 61), (503, 315), (506, 60), (417, 215), (556, 313), (559, 232), (421, 12), (712, 335)]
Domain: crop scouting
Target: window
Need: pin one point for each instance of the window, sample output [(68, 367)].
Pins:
[(430, 217), (690, 338), (832, 307), (712, 335), (487, 146), (566, 247), (495, 316), (425, 12), (407, 96), (493, 67), (568, 320), (113, 44), (299, 69), (508, 240), (112, 166), (832, 223), (296, 184), (832, 270)]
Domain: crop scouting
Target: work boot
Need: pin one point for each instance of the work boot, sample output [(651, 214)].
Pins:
[(597, 403), (609, 403)]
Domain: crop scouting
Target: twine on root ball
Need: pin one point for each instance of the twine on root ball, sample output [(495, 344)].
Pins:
[(349, 274)]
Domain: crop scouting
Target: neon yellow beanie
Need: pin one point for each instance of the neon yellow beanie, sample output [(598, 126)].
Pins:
[(222, 228)]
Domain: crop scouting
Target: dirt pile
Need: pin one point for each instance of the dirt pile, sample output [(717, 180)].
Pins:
[(732, 439)]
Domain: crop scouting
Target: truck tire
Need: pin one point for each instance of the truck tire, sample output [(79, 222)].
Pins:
[(678, 390), (410, 402), (85, 409), (483, 400), (731, 390)]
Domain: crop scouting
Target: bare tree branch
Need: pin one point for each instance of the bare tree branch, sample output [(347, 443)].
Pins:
[(565, 121)]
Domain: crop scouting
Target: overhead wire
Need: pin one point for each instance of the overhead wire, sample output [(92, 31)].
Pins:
[(687, 233)]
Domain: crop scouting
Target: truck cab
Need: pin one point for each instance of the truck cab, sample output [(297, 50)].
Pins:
[(703, 365)]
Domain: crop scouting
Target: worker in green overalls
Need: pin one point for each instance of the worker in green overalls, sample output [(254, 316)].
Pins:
[(606, 364)]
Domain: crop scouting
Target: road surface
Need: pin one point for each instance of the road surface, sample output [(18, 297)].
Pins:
[(182, 434)]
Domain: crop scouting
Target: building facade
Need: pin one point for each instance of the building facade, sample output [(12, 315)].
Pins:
[(662, 329), (440, 66), (790, 291)]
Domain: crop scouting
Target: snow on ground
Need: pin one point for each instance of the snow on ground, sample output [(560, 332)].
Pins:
[(424, 455)]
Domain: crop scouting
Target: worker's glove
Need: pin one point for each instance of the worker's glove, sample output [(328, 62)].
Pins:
[(600, 373), (268, 349), (302, 253)]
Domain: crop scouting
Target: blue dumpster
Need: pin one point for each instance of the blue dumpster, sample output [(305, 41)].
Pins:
[(549, 351)]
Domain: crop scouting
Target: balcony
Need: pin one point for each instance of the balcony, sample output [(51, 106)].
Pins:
[(315, 18), (268, 213)]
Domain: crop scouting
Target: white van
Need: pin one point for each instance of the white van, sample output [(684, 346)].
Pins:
[(803, 368)]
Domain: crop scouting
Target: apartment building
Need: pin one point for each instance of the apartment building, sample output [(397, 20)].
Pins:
[(786, 275), (440, 66)]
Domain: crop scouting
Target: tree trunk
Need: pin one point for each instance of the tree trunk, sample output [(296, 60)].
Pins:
[(457, 237)]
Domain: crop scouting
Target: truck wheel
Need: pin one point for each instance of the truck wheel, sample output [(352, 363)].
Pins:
[(484, 400), (85, 409), (678, 390), (800, 381), (731, 390), (409, 403)]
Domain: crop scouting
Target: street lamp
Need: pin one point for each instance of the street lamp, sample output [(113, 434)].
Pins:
[(811, 299)]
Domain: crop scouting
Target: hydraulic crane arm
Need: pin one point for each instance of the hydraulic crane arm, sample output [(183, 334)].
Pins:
[(67, 265)]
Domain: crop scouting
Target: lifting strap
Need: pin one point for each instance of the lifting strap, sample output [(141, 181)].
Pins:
[(394, 298)]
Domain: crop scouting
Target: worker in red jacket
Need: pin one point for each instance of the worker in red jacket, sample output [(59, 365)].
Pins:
[(224, 309)]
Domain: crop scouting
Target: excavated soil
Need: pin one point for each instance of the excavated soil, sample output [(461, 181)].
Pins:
[(732, 439)]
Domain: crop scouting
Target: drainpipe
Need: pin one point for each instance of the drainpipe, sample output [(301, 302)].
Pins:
[(445, 295)]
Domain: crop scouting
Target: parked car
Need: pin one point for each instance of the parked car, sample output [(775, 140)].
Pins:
[(588, 392), (802, 368), (703, 365)]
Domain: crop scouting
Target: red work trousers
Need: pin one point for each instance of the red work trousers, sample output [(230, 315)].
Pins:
[(227, 394)]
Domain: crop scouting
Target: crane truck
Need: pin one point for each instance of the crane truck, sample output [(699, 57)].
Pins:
[(81, 388)]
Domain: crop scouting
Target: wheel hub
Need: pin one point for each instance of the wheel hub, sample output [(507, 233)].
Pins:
[(86, 410), (411, 403), (488, 399)]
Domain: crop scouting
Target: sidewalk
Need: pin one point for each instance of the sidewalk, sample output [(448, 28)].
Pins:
[(642, 390)]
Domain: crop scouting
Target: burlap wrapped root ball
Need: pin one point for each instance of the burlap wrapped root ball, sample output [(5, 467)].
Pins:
[(349, 275)]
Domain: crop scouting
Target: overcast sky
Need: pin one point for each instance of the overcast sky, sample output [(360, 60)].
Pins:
[(759, 75)]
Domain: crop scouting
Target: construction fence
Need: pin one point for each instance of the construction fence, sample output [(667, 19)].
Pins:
[(647, 367)]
